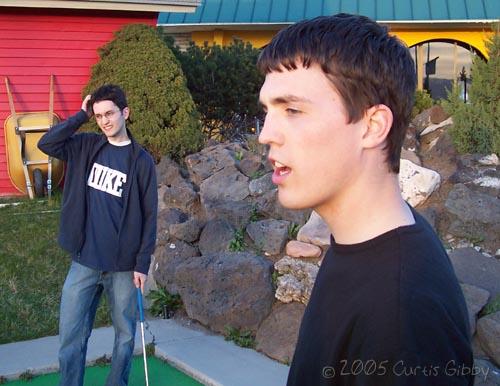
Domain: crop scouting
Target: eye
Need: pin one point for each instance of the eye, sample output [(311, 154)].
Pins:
[(292, 111)]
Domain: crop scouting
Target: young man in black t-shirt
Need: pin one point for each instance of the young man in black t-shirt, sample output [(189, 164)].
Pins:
[(386, 307), (108, 224)]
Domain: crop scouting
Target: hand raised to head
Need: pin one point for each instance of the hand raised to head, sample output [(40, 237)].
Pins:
[(86, 107)]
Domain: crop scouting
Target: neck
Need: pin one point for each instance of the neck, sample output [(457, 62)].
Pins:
[(370, 207)]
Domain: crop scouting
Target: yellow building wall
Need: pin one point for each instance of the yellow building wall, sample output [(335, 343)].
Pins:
[(225, 37), (474, 38)]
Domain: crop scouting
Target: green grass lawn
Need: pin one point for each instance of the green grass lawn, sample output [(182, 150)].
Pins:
[(32, 270)]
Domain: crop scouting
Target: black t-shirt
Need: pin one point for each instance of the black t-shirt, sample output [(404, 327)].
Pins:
[(388, 311), (106, 183)]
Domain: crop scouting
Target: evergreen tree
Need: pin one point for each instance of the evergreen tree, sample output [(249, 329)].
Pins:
[(225, 83), (476, 127), (163, 116)]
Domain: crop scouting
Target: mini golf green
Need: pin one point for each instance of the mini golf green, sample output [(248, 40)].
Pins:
[(160, 374)]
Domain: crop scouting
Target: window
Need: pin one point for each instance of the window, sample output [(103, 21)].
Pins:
[(441, 63)]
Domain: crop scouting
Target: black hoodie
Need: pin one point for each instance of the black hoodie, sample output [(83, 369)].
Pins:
[(137, 232)]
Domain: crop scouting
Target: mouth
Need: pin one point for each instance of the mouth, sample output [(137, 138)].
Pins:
[(281, 171)]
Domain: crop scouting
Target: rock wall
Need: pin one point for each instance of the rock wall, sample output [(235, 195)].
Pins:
[(220, 229)]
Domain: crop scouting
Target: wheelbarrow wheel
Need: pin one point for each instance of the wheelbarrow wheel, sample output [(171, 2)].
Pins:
[(38, 183)]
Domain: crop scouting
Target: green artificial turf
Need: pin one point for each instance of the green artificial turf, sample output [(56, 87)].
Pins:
[(160, 374)]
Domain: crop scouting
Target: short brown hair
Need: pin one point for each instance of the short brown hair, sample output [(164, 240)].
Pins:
[(365, 64), (109, 92)]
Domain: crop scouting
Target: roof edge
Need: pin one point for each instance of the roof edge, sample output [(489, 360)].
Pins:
[(443, 21), (457, 21), (180, 6), (400, 23)]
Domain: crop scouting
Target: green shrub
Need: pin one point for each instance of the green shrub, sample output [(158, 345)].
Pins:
[(163, 116), (293, 231), (257, 174), (150, 349), (243, 338), (492, 307), (423, 101), (476, 127), (225, 84), (255, 215), (26, 376), (162, 300), (239, 155), (237, 244)]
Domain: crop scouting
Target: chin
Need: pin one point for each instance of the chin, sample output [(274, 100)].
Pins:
[(111, 134), (294, 202)]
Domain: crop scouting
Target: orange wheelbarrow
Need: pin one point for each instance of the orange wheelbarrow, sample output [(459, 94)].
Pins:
[(31, 171)]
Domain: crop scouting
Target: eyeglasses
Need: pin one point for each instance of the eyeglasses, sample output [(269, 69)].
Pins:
[(108, 115)]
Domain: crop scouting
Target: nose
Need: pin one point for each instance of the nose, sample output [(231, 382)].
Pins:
[(271, 133), (105, 120)]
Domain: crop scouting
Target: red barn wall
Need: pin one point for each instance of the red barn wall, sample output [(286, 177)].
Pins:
[(35, 43)]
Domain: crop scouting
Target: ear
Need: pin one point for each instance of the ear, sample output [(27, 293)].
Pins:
[(126, 112), (378, 120)]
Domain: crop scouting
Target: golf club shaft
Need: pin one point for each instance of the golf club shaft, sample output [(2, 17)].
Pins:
[(141, 318), (144, 354)]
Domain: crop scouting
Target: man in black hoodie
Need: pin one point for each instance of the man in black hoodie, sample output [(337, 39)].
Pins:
[(108, 224)]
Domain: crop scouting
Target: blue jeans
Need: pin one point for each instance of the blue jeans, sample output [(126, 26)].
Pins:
[(80, 297)]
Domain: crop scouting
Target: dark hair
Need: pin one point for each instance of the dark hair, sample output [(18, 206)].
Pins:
[(109, 92), (366, 65)]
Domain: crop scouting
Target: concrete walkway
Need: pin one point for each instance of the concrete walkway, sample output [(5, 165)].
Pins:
[(208, 358)]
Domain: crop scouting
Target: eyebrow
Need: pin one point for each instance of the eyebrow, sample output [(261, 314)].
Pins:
[(109, 111), (284, 99)]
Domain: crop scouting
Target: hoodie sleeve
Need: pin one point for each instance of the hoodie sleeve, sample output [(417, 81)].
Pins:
[(57, 141), (149, 198)]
